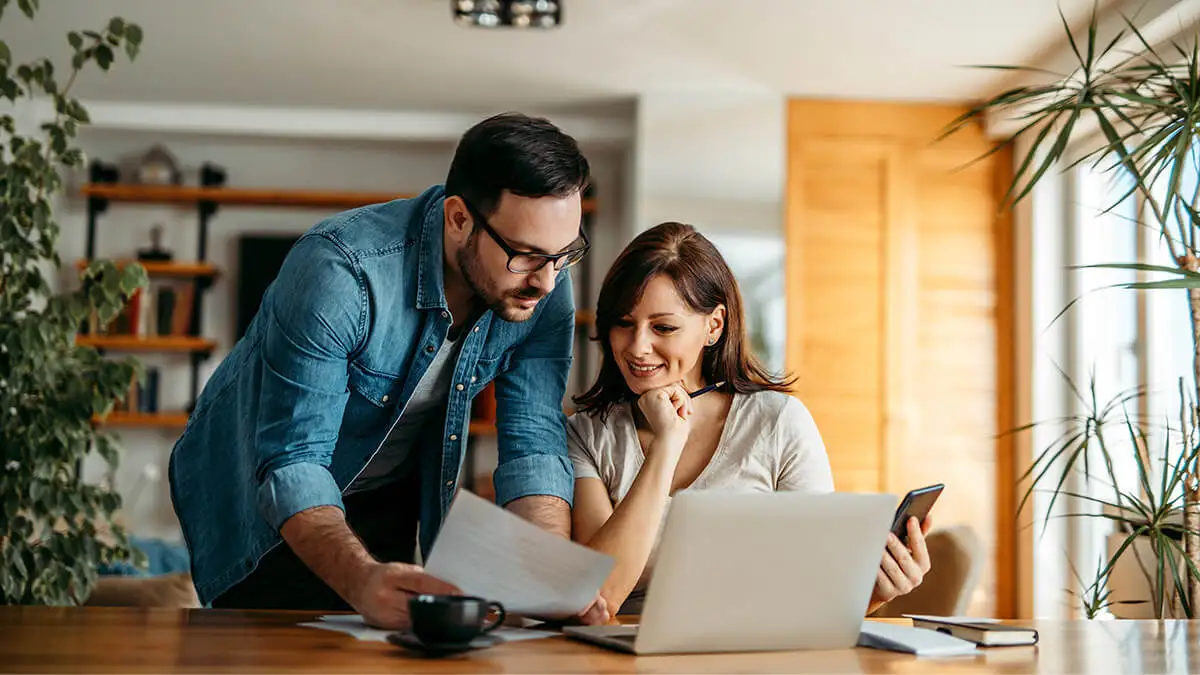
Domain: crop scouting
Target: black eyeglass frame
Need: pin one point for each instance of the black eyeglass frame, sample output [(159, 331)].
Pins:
[(481, 222)]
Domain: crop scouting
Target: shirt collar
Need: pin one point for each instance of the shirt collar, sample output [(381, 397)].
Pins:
[(431, 289)]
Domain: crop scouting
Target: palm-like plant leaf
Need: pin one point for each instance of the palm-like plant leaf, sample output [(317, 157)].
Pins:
[(1146, 105)]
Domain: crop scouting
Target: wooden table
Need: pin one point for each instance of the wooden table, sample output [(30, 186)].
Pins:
[(129, 640)]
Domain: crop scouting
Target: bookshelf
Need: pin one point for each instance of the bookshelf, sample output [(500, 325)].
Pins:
[(207, 198), (166, 270), (261, 197), (136, 343), (168, 420)]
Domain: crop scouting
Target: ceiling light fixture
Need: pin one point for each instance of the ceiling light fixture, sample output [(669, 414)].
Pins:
[(507, 13)]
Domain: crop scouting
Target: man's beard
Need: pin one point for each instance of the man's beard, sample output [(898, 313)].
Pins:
[(474, 276)]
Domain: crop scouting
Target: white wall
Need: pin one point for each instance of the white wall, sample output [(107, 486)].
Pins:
[(255, 162), (716, 160)]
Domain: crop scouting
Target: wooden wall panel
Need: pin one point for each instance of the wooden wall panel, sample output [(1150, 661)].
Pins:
[(839, 357), (894, 325)]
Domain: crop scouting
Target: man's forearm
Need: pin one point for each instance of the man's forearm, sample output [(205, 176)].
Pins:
[(550, 513), (321, 538)]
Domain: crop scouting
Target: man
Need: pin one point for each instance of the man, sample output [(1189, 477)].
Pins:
[(338, 423)]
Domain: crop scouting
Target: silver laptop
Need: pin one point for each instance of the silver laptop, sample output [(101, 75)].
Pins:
[(758, 572)]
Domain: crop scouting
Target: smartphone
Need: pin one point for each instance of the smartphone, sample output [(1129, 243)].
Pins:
[(916, 504)]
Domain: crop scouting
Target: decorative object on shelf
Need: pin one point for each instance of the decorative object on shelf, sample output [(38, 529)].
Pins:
[(50, 387), (212, 175), (103, 172), (158, 167), (156, 252), (1141, 106), (507, 13)]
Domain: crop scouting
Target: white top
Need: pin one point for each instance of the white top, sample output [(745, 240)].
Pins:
[(770, 443), (390, 462)]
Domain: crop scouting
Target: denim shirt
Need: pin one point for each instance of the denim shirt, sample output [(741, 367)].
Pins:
[(341, 339)]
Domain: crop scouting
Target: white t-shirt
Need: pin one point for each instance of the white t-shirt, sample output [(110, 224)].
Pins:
[(770, 443), (391, 462)]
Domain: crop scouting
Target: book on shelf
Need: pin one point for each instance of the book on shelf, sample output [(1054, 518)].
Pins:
[(162, 309), (141, 397), (983, 632)]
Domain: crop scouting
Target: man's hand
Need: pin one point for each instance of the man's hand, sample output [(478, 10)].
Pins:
[(903, 568), (596, 613), (382, 599), (379, 591)]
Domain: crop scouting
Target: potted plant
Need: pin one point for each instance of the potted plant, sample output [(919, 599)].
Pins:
[(1145, 107), (50, 388)]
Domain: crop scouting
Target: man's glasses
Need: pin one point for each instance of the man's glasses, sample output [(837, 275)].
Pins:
[(527, 262)]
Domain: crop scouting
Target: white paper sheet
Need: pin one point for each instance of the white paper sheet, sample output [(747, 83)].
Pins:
[(352, 624), (489, 552), (919, 641), (953, 619)]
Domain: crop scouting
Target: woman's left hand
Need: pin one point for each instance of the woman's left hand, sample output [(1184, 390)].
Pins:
[(903, 567)]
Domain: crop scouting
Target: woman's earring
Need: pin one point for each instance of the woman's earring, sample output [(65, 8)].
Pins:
[(712, 341)]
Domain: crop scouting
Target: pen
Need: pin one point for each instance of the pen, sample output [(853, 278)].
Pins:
[(704, 390)]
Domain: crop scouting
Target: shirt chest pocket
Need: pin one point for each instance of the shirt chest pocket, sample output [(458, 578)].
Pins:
[(373, 400), (486, 370)]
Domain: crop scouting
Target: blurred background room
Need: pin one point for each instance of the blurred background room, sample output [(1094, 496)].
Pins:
[(880, 263)]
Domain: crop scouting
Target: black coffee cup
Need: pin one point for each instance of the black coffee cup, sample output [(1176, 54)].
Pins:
[(442, 619)]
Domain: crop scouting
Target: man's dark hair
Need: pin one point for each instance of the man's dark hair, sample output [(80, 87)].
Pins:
[(528, 156)]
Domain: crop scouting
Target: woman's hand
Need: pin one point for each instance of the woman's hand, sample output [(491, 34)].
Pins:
[(667, 410), (903, 568)]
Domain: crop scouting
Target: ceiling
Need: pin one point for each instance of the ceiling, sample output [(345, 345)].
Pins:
[(408, 54)]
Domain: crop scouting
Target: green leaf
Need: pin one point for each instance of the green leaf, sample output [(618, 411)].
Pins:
[(29, 7), (1162, 285), (1140, 267), (104, 56), (75, 39), (116, 26), (5, 54), (76, 110), (133, 34), (37, 491)]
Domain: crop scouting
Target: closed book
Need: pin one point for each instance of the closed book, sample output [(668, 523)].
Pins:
[(982, 632), (148, 399), (164, 310)]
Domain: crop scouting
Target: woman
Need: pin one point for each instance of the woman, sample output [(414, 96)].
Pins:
[(669, 320)]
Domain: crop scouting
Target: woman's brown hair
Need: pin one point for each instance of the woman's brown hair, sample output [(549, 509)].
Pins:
[(703, 280)]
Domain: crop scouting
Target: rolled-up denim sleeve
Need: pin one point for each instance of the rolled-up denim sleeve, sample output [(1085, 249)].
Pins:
[(315, 319), (531, 426)]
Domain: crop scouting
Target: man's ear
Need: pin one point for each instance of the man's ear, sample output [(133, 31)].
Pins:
[(458, 219)]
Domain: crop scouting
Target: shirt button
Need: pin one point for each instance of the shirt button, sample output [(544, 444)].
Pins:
[(449, 483), (385, 398), (459, 387), (445, 315), (473, 378), (428, 349), (454, 437), (476, 329)]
